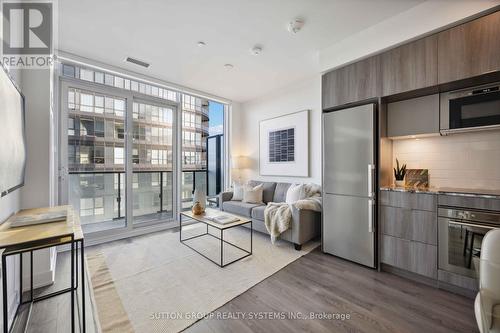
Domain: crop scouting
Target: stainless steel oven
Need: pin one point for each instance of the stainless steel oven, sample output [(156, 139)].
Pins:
[(470, 109), (460, 233)]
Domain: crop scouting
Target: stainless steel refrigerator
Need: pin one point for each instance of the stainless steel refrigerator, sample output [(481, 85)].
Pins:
[(349, 184)]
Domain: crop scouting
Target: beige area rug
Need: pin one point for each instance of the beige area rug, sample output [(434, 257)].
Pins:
[(154, 283)]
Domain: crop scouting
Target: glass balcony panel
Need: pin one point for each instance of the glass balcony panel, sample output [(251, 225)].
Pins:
[(96, 182), (152, 170)]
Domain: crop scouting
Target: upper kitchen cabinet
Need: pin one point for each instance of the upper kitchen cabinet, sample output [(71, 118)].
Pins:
[(414, 116), (469, 49), (352, 83), (409, 67)]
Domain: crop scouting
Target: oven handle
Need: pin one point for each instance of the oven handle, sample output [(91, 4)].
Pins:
[(472, 225)]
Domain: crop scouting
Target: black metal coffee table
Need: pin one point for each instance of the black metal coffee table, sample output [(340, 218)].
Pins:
[(204, 218)]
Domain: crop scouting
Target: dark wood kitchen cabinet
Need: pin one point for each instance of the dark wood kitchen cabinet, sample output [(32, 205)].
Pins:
[(470, 49), (352, 83), (408, 227), (409, 67)]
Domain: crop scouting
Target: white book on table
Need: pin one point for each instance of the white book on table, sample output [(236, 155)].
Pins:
[(32, 219), (223, 219)]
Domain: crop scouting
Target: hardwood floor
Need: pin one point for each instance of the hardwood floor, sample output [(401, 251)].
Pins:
[(375, 302), (53, 315)]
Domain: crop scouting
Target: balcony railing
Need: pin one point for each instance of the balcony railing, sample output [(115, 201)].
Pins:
[(99, 197)]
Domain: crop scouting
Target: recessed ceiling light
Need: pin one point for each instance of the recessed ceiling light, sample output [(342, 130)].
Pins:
[(256, 50), (201, 43), (228, 66), (295, 25)]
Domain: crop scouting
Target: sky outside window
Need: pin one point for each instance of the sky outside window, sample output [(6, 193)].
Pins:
[(216, 115)]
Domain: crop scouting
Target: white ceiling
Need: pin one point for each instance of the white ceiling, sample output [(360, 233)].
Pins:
[(165, 33)]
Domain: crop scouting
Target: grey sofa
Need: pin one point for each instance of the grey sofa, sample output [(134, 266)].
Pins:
[(305, 226)]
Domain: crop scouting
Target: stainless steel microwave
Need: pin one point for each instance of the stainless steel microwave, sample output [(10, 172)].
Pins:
[(470, 109)]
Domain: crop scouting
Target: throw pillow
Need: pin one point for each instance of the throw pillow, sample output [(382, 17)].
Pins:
[(238, 190), (295, 193), (253, 194)]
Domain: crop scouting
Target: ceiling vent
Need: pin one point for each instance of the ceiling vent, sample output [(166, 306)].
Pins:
[(137, 62)]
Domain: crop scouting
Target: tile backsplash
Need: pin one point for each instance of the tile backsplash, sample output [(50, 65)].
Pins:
[(465, 160)]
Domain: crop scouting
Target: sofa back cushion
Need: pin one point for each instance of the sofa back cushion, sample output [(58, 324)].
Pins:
[(295, 193), (268, 191), (253, 195), (280, 192), (238, 190)]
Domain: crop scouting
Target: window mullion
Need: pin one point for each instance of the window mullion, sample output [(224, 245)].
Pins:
[(129, 132)]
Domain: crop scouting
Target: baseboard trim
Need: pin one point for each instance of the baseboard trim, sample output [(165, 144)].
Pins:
[(40, 279), (457, 290), (409, 275), (429, 281)]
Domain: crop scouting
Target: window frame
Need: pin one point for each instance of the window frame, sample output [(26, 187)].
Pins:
[(66, 83)]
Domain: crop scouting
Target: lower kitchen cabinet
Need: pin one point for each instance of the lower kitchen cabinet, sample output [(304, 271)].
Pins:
[(395, 252), (418, 225), (408, 224), (413, 256), (423, 259)]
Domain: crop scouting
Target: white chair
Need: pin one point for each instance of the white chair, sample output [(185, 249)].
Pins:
[(487, 303)]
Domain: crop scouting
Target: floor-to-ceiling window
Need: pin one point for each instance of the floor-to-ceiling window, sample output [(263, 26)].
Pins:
[(118, 149), (152, 159), (96, 156), (120, 154), (202, 121)]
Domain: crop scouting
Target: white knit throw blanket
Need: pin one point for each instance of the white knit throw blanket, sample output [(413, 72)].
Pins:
[(278, 215)]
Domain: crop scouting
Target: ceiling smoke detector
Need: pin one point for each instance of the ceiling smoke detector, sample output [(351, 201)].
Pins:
[(256, 50), (295, 25), (228, 66), (201, 43)]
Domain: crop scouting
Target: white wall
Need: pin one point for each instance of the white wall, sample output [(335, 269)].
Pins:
[(300, 96), (10, 204), (36, 190), (465, 160), (36, 89), (35, 85)]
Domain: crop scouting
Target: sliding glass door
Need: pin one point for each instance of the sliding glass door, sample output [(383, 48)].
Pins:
[(117, 157), (94, 141), (152, 160)]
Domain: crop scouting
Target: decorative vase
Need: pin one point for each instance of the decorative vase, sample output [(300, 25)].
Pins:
[(200, 197), (400, 183), (197, 209)]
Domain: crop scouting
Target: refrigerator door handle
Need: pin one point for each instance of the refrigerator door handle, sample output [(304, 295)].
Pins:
[(371, 168), (370, 215)]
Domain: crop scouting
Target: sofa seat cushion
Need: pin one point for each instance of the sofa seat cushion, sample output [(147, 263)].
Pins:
[(239, 208), (258, 213)]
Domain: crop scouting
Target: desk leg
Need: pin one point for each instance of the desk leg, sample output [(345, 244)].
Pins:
[(82, 257), (72, 291), (4, 294)]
